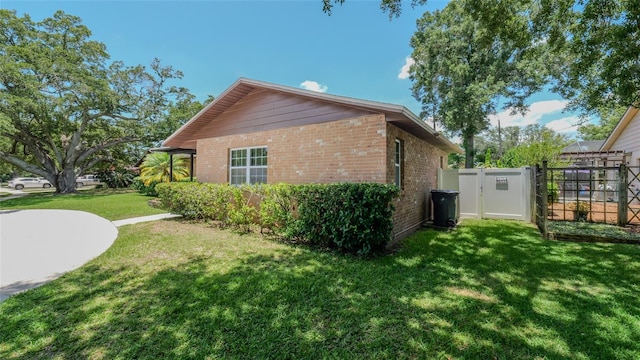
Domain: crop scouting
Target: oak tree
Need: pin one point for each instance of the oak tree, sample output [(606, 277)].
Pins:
[(462, 69), (64, 104)]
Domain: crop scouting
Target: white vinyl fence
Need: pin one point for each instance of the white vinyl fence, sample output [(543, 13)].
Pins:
[(490, 193)]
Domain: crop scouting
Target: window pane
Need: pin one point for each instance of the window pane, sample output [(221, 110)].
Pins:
[(239, 157), (238, 176), (259, 157), (258, 176)]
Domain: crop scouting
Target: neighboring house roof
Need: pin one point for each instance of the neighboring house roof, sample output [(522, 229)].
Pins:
[(584, 146), (589, 151), (395, 114), (619, 129)]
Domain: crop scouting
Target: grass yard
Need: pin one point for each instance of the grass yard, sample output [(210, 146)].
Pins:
[(489, 290), (110, 204)]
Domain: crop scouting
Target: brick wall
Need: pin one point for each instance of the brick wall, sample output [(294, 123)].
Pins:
[(419, 175), (346, 150), (356, 150)]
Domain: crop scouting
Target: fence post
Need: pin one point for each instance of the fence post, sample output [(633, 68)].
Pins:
[(623, 185), (545, 198)]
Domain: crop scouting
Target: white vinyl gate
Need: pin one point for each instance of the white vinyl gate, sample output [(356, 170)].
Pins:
[(490, 193)]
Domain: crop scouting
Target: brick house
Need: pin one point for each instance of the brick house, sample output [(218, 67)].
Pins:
[(258, 132)]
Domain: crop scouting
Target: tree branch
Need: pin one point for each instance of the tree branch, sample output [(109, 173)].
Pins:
[(23, 164), (55, 148), (83, 157), (27, 139)]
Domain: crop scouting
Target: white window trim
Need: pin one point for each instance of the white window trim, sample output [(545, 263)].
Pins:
[(248, 166), (398, 164)]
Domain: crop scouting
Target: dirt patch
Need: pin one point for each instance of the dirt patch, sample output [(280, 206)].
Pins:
[(601, 212), (471, 294)]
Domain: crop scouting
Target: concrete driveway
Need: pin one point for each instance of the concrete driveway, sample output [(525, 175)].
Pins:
[(37, 246)]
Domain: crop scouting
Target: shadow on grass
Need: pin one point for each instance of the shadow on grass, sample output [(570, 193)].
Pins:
[(488, 290), (43, 198)]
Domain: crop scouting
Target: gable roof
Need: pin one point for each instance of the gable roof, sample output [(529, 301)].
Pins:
[(617, 131), (583, 146), (395, 114)]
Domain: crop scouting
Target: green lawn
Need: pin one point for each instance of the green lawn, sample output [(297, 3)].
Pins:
[(489, 290), (110, 204)]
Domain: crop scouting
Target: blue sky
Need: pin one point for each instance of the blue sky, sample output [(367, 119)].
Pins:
[(357, 52)]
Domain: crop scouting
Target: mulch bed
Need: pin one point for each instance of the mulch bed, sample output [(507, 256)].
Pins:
[(601, 212)]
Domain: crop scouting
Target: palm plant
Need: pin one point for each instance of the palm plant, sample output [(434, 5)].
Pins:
[(156, 168)]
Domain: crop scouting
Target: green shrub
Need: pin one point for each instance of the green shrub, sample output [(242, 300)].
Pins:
[(116, 178), (242, 213), (353, 218), (196, 200), (553, 192), (277, 208), (148, 190)]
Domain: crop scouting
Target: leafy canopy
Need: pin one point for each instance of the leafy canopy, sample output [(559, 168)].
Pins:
[(463, 68), (537, 144), (65, 106), (594, 43)]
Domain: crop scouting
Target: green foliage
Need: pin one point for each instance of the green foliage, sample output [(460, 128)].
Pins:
[(492, 289), (609, 118), (497, 142), (604, 231), (592, 44), (353, 218), (243, 213), (593, 61), (539, 144), (108, 203), (145, 189), (455, 161), (599, 42), (462, 68), (116, 178), (553, 192), (65, 106), (197, 200), (156, 168), (277, 207)]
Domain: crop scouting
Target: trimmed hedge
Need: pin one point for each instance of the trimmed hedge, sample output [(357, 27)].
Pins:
[(351, 217)]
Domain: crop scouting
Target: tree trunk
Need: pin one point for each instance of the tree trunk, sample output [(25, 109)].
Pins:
[(66, 182), (469, 159)]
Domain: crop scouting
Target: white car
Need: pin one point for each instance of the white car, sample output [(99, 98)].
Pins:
[(87, 180), (29, 182)]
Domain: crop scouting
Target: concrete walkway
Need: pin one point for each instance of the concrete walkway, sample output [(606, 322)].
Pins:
[(136, 220), (33, 250)]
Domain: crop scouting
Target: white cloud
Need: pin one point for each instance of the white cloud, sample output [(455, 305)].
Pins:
[(564, 125), (404, 71), (314, 86), (536, 111)]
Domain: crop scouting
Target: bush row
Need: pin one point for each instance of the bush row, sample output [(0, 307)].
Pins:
[(353, 218)]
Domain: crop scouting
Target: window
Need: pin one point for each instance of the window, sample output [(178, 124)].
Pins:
[(398, 164), (248, 165)]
